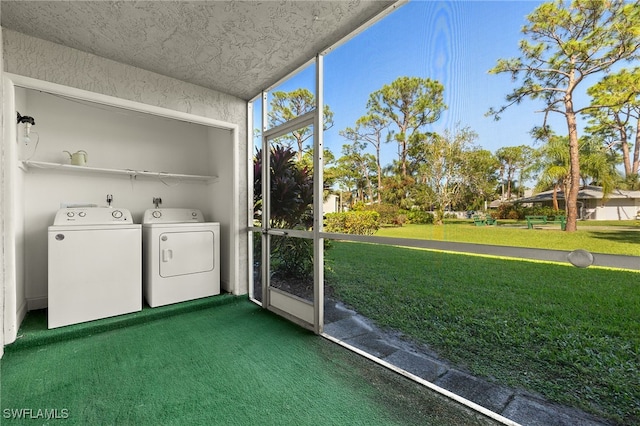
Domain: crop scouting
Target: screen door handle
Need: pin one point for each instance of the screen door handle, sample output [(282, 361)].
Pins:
[(276, 232)]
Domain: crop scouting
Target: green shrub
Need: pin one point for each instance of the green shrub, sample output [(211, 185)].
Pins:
[(291, 189), (543, 211), (419, 217), (292, 208), (508, 211), (291, 257), (513, 214), (352, 222), (389, 214), (516, 211)]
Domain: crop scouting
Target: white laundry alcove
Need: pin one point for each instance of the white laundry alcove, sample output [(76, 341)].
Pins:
[(134, 153)]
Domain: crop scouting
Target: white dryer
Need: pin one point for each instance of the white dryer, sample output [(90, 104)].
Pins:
[(181, 256), (95, 265)]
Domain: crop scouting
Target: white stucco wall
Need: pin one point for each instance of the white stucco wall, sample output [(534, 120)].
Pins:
[(616, 209), (42, 60), (1, 204)]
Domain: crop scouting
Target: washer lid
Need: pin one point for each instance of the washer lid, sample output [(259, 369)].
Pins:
[(80, 216), (84, 228), (174, 215)]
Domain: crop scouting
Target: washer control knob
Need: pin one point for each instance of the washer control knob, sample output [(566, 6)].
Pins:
[(194, 214), (82, 214), (157, 214), (70, 214), (117, 214)]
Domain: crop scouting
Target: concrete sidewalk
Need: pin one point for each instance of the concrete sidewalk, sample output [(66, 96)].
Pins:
[(515, 404), (547, 255)]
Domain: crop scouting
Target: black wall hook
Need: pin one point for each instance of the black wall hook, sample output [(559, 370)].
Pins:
[(26, 119)]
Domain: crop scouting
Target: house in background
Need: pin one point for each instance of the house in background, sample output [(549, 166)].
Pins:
[(593, 204), (331, 204)]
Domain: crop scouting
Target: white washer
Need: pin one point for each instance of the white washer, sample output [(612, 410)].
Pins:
[(95, 265), (181, 256)]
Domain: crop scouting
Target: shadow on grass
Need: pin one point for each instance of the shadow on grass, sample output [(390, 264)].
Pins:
[(631, 237)]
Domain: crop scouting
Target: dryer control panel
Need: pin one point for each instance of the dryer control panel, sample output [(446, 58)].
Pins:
[(172, 215), (92, 216)]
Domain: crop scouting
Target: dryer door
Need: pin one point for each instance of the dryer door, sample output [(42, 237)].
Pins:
[(183, 253)]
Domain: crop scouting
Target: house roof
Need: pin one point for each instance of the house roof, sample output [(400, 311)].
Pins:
[(235, 47), (587, 192)]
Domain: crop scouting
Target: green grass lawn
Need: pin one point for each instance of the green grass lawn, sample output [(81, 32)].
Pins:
[(571, 334), (619, 237)]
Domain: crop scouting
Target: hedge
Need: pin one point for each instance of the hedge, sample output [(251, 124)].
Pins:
[(352, 222)]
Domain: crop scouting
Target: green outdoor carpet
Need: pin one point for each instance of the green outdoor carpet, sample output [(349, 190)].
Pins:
[(221, 363)]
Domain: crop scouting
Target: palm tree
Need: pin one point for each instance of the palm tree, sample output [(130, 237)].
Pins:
[(595, 166), (554, 160)]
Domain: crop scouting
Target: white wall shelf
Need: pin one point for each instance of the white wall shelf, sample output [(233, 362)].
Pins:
[(42, 165)]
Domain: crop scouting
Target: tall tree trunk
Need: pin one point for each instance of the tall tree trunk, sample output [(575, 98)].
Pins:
[(521, 187), (403, 158), (379, 173), (300, 142), (571, 197), (370, 190), (626, 160), (636, 151)]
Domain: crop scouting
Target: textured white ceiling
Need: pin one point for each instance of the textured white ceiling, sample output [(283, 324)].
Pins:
[(236, 47)]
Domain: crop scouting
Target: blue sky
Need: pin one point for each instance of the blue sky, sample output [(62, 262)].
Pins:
[(454, 42)]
